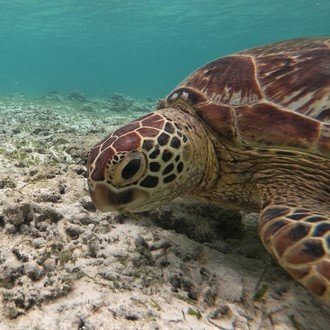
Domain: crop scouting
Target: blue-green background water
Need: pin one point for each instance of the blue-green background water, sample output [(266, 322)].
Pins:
[(142, 48)]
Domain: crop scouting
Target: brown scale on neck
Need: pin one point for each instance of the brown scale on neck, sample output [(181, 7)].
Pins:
[(245, 172)]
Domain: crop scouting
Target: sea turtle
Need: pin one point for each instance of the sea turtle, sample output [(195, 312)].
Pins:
[(248, 131)]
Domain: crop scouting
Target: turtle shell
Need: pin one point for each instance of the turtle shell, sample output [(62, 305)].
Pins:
[(276, 95)]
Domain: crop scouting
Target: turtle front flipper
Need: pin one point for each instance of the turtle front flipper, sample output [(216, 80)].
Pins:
[(298, 238)]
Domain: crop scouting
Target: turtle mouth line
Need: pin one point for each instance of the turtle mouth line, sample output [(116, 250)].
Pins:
[(105, 199)]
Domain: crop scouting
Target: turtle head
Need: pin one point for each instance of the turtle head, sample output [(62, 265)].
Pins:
[(156, 158)]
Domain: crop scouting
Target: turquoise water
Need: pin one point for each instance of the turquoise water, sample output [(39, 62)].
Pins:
[(140, 48)]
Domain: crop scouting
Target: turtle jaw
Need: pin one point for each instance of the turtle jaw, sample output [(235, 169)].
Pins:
[(107, 199)]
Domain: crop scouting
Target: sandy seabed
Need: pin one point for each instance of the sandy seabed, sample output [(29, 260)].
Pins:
[(64, 265)]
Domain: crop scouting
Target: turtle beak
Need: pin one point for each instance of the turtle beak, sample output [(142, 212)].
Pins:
[(106, 199)]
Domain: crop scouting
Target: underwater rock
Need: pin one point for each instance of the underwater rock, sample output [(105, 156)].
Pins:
[(78, 153), (18, 301), (7, 183), (74, 231), (47, 195), (53, 96), (145, 257), (19, 96), (39, 243), (87, 108), (87, 204), (118, 98), (119, 103), (77, 96), (34, 271), (48, 213), (9, 272), (17, 215)]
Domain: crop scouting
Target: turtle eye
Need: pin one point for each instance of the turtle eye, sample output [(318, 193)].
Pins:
[(130, 168)]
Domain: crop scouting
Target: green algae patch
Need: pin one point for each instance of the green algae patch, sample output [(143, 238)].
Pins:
[(192, 312)]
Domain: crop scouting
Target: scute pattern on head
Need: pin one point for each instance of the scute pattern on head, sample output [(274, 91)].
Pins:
[(151, 152)]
